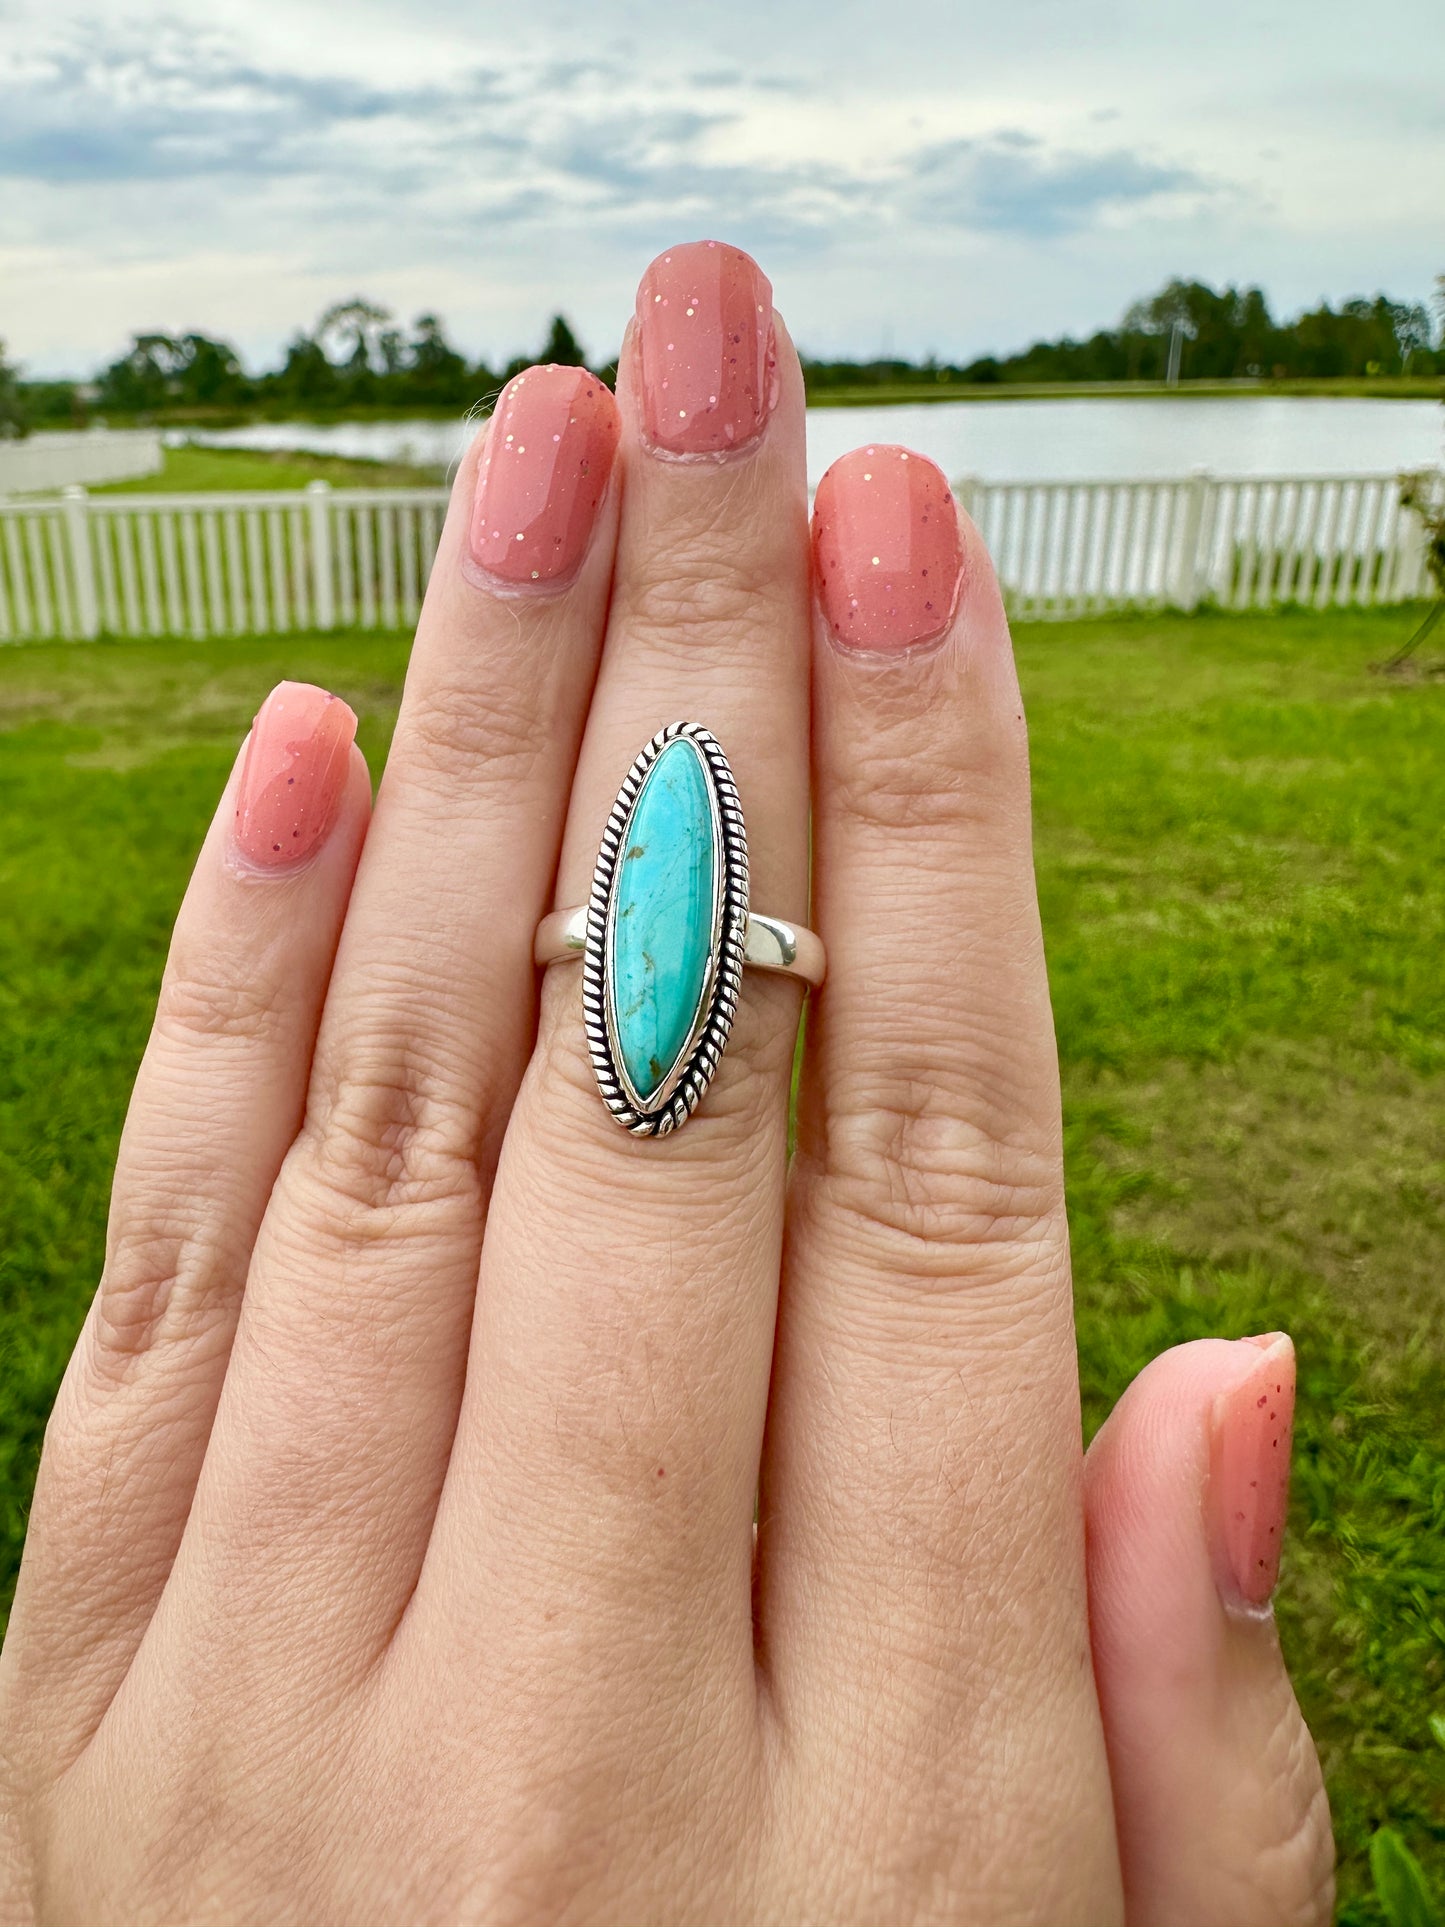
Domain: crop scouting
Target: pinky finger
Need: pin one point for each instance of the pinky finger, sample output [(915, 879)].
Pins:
[(216, 1105), (1220, 1806)]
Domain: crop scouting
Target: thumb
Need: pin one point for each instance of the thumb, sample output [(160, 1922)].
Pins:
[(1220, 1806)]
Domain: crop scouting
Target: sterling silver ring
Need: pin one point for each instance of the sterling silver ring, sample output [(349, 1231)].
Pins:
[(666, 932)]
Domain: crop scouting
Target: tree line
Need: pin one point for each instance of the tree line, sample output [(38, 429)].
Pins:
[(1224, 334), (357, 358)]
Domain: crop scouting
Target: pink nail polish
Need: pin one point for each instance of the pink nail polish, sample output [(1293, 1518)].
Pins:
[(544, 471), (887, 555), (705, 350), (1249, 1469), (293, 775)]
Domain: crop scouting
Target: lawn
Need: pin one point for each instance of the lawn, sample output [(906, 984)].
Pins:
[(1239, 832), (185, 469)]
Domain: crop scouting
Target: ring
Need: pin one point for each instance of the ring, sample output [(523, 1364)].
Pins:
[(666, 932)]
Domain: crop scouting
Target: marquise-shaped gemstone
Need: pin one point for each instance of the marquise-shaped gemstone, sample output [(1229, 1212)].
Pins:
[(661, 941)]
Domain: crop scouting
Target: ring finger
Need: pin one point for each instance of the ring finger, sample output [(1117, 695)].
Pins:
[(360, 1293), (921, 1504)]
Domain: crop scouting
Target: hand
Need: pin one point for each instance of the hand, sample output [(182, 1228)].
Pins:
[(393, 1553)]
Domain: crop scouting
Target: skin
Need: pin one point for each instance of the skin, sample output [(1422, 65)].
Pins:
[(393, 1556)]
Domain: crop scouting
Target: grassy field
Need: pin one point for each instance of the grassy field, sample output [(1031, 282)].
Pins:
[(1239, 832), (871, 394), (187, 469)]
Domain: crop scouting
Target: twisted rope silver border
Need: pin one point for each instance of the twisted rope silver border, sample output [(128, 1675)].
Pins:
[(730, 939)]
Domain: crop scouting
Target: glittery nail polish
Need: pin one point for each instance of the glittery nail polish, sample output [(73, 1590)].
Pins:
[(292, 776), (706, 356), (543, 474), (1249, 1470), (887, 555)]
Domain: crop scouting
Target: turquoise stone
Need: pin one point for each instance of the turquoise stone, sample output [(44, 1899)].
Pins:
[(662, 927)]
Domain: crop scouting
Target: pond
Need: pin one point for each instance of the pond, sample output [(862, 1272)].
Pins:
[(1024, 440)]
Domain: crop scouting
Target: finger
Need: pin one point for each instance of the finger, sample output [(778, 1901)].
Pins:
[(607, 1451), (217, 1102), (1221, 1809), (921, 1513), (361, 1292)]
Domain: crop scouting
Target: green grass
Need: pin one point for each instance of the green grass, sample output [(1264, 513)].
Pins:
[(186, 469), (865, 394), (1239, 842)]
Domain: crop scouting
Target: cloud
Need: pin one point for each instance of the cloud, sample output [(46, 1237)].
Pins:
[(236, 164), (1010, 183), (514, 142), (169, 103)]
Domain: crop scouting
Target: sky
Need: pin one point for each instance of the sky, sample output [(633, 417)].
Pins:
[(938, 177)]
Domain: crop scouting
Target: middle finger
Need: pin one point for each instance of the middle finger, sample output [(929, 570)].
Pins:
[(608, 1444)]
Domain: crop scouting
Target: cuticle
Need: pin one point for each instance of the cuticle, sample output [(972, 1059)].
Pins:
[(245, 870), (1245, 1611), (501, 590), (892, 652), (705, 457)]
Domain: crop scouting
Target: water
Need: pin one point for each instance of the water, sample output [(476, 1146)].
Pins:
[(1026, 441), (1013, 440)]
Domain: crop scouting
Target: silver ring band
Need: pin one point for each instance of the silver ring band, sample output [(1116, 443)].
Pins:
[(665, 934), (771, 944)]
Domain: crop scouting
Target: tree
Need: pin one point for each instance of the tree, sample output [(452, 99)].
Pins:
[(209, 373), (307, 379), (563, 346), (139, 382), (14, 418), (434, 371), (391, 345), (1229, 330), (350, 331), (1413, 332), (160, 371), (1422, 495)]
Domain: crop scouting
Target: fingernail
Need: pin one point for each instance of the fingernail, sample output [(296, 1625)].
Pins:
[(887, 555), (705, 347), (1249, 1470), (293, 775), (544, 471)]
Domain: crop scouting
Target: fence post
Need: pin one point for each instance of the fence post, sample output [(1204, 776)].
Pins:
[(966, 489), (1187, 562), (82, 562), (323, 588)]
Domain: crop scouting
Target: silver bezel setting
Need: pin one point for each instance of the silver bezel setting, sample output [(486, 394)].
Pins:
[(678, 1098)]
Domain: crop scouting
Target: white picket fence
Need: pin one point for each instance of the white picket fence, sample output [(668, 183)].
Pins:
[(1241, 542), (272, 563), (249, 563)]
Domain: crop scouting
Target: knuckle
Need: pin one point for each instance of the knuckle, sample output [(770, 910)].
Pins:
[(934, 1194), (216, 1003), (165, 1285), (673, 609), (385, 1136), (887, 791), (1294, 1872), (492, 734), (927, 752), (900, 780), (704, 588), (1315, 1852)]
